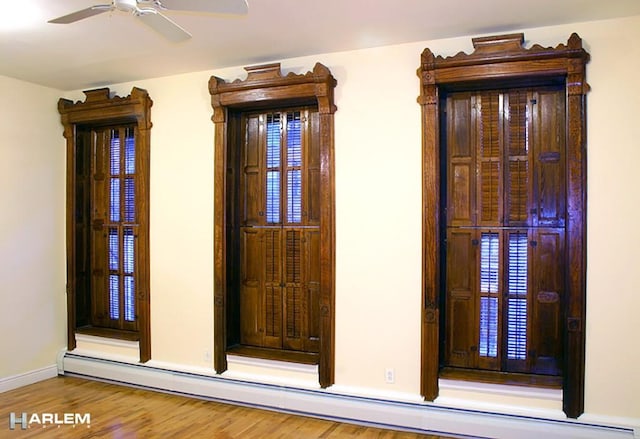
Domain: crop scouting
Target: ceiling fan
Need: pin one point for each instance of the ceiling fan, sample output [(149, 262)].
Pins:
[(149, 12)]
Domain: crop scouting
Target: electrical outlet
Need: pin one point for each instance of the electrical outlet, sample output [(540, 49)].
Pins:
[(207, 356), (389, 376)]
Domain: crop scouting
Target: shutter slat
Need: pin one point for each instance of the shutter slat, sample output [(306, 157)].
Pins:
[(489, 159), (517, 301), (128, 262), (518, 156), (489, 288), (294, 167), (273, 168)]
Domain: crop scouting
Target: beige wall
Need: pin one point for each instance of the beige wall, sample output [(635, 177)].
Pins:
[(378, 221), (32, 258)]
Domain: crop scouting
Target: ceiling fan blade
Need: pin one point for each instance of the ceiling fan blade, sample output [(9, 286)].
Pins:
[(236, 7), (82, 14), (163, 25)]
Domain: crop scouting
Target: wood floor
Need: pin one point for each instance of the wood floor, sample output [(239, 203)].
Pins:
[(125, 412)]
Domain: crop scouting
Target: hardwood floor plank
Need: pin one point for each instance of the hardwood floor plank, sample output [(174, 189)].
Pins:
[(126, 412)]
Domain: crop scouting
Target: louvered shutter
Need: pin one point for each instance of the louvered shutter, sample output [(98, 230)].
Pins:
[(505, 196), (270, 301), (273, 169), (489, 159), (518, 178), (489, 297), (294, 298), (280, 250), (517, 330), (293, 167), (462, 326)]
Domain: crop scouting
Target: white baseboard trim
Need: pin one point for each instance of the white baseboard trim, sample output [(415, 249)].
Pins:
[(31, 377), (417, 416)]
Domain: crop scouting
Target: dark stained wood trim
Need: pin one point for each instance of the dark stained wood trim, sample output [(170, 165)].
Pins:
[(101, 108), (496, 60), (507, 378), (109, 333), (266, 87), (430, 332), (274, 354)]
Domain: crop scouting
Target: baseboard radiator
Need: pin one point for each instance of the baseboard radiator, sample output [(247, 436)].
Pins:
[(408, 416)]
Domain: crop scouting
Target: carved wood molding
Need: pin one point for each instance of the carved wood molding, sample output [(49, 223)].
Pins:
[(265, 84), (504, 57), (100, 105), (504, 48)]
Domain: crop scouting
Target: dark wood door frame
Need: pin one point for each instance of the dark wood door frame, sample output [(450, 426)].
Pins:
[(495, 61), (266, 87)]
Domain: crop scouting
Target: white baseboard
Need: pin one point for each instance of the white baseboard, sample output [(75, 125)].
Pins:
[(329, 403), (31, 377)]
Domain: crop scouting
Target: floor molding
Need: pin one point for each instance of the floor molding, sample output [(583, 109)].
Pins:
[(420, 417), (31, 377)]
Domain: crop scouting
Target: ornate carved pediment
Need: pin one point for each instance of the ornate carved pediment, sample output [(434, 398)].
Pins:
[(100, 105), (503, 48), (505, 57), (265, 84)]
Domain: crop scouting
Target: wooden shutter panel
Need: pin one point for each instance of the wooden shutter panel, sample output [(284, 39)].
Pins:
[(312, 188), (462, 322), (252, 173), (461, 166), (549, 146), (547, 290), (280, 246), (99, 216), (311, 309), (251, 307), (489, 159), (489, 298), (82, 230)]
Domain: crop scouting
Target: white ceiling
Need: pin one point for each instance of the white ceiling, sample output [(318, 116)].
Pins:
[(115, 47)]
